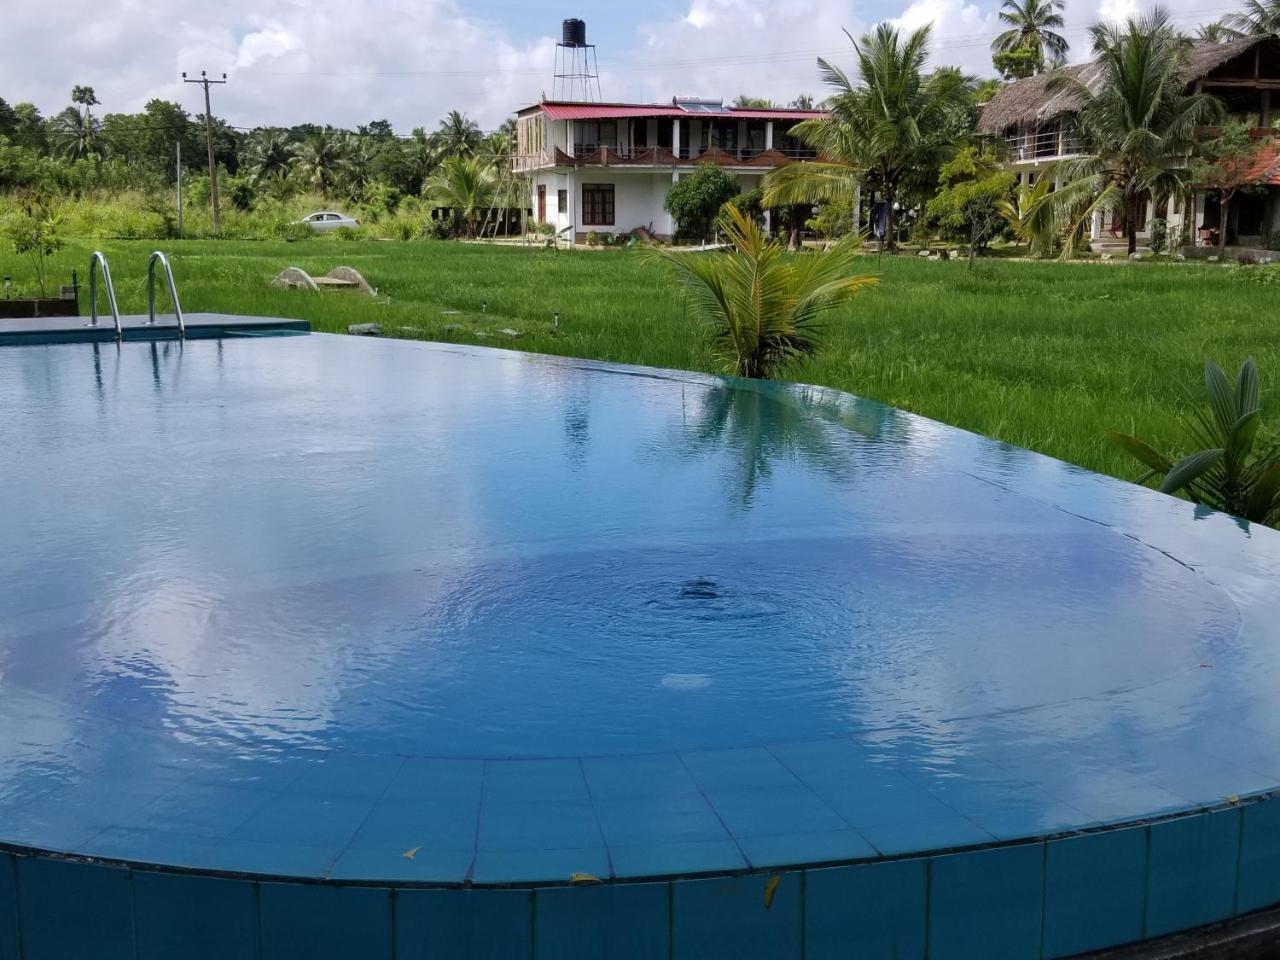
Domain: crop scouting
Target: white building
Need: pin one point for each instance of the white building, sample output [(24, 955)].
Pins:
[(606, 167), (1037, 126)]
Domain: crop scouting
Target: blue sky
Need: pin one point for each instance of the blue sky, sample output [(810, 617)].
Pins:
[(410, 61)]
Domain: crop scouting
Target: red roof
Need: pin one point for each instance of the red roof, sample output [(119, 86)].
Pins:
[(1264, 166), (609, 111)]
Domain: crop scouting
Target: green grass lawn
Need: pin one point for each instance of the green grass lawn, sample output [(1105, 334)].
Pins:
[(1043, 355)]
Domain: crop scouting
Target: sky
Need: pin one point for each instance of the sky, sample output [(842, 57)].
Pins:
[(347, 62)]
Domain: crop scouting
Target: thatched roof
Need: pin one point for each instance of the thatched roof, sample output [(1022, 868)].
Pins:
[(1030, 101)]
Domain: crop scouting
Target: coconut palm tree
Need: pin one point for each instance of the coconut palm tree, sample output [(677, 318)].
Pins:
[(1215, 32), (75, 135), (1137, 126), (421, 157), (266, 153), (1257, 18), (458, 133), (321, 161), (764, 308), (1033, 25), (895, 126), (465, 186)]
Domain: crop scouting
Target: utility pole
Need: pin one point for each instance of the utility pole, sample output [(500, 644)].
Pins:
[(204, 81), (177, 163)]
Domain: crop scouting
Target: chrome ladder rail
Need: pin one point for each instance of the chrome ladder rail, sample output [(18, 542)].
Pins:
[(173, 292), (95, 259)]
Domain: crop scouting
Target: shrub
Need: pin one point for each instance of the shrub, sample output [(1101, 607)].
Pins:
[(1236, 468), (694, 201), (1159, 229), (34, 231)]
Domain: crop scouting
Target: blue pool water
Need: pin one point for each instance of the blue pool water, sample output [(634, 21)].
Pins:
[(294, 606)]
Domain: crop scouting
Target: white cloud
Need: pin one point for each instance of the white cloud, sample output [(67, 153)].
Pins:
[(410, 61)]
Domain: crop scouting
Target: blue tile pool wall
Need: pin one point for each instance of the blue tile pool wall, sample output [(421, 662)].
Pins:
[(1050, 898)]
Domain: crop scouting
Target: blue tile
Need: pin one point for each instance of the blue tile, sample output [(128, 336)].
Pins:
[(834, 762), (194, 917), (8, 908), (621, 922), (874, 911), (426, 864), (538, 826), (204, 810), (1095, 891), (676, 859), (1259, 856), (1012, 817), (752, 767), (986, 903), (517, 781), (463, 924), (639, 777), (1191, 875), (322, 922), (677, 819), (774, 810), (306, 821), (527, 866), (431, 779), (344, 775), (167, 848), (919, 836), (731, 917), (786, 850), (440, 824), (74, 910), (269, 859), (885, 800)]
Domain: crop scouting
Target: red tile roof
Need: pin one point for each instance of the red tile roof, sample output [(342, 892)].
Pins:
[(610, 111), (1265, 165)]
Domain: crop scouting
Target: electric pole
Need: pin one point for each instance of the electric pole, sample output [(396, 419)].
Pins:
[(204, 81)]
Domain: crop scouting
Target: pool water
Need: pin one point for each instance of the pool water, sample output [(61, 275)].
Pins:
[(324, 544), (352, 610)]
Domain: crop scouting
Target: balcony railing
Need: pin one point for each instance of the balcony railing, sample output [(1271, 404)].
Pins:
[(1032, 147), (593, 154)]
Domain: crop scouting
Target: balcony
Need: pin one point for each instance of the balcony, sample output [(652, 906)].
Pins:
[(1041, 147), (592, 155)]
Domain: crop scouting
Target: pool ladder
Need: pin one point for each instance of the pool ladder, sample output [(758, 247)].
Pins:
[(98, 259)]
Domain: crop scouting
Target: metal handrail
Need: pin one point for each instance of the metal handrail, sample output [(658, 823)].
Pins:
[(95, 259), (173, 291)]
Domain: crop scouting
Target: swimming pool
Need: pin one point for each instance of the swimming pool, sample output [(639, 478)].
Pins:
[(425, 630)]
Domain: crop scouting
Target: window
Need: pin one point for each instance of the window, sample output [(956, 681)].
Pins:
[(593, 134), (597, 204), (562, 202)]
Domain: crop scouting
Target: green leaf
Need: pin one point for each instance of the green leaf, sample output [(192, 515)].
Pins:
[(1248, 387), (1189, 469), (1264, 494), (1222, 397), (1142, 451)]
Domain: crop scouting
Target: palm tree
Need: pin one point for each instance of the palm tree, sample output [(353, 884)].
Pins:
[(1033, 25), (465, 186), (1137, 127), (321, 161), (266, 153), (1215, 32), (458, 133), (421, 157), (75, 134), (803, 102), (1258, 18), (894, 127), (763, 307)]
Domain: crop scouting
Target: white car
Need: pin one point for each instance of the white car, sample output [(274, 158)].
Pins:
[(327, 220)]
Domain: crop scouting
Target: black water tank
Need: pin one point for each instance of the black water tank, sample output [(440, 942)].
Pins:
[(573, 33)]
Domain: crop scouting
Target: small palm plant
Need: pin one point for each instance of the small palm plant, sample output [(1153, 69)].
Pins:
[(1237, 468), (764, 307)]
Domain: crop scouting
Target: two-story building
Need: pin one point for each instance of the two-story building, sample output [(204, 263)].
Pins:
[(606, 167), (1036, 127)]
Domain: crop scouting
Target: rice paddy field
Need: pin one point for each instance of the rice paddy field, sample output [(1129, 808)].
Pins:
[(1042, 355)]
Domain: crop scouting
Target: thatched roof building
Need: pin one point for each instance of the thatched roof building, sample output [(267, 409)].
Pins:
[(1030, 101)]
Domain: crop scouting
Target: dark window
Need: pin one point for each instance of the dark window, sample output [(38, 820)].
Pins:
[(597, 133), (664, 132), (562, 202), (640, 133), (597, 204)]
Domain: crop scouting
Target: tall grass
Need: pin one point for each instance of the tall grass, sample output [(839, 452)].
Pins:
[(1043, 355)]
